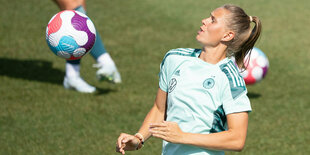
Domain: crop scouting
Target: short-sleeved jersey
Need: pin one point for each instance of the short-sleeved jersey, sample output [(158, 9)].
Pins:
[(200, 95)]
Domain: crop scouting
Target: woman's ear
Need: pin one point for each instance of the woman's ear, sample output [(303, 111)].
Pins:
[(228, 36)]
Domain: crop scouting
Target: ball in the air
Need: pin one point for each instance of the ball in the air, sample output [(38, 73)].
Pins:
[(257, 66), (70, 34)]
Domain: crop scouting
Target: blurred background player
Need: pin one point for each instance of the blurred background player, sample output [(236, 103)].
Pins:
[(107, 69)]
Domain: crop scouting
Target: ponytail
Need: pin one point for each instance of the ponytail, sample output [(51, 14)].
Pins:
[(245, 36), (248, 45)]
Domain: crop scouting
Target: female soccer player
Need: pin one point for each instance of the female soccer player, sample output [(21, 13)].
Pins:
[(107, 69), (201, 105)]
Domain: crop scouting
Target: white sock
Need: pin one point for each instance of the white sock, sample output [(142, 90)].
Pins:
[(105, 60), (72, 70)]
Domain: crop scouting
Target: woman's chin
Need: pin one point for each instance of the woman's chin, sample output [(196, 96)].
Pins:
[(198, 38)]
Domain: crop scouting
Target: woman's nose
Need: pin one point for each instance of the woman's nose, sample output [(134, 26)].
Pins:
[(205, 21)]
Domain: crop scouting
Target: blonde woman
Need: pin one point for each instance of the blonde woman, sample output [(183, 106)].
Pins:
[(201, 105)]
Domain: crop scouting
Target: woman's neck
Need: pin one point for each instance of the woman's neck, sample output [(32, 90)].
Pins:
[(213, 55)]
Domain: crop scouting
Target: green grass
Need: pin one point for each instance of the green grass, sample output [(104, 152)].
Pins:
[(38, 116)]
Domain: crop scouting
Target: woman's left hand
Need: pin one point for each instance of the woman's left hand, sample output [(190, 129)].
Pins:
[(168, 131)]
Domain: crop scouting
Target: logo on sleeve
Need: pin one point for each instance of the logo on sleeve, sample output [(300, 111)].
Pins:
[(172, 85), (209, 83)]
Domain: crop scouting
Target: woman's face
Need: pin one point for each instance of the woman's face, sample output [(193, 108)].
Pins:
[(213, 29)]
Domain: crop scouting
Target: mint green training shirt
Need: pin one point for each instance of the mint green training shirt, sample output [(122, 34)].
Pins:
[(200, 95)]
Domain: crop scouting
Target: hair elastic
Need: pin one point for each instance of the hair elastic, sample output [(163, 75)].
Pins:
[(251, 19)]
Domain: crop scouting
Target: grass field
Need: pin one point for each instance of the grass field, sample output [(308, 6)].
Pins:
[(38, 116)]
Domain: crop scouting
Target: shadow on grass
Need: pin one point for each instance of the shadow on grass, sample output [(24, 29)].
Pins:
[(101, 91), (252, 95), (34, 70)]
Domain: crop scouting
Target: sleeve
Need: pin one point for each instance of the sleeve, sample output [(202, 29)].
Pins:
[(231, 104), (169, 64), (163, 76)]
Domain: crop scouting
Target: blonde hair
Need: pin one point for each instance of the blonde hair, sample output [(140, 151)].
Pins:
[(245, 37)]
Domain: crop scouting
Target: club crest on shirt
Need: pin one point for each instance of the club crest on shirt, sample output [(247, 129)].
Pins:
[(208, 83), (172, 85)]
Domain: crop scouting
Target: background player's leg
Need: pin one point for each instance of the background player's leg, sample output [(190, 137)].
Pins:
[(69, 4), (107, 69), (72, 78)]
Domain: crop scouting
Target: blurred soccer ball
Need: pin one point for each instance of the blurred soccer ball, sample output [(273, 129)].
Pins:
[(257, 66), (70, 34)]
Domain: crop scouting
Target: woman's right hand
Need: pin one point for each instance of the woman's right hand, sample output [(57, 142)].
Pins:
[(126, 142)]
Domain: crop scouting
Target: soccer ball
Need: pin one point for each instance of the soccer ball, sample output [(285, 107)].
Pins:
[(257, 66), (70, 34)]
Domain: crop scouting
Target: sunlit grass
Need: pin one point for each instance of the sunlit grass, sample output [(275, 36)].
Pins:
[(38, 116)]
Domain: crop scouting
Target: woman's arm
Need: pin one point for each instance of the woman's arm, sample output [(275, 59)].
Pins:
[(155, 115), (233, 139)]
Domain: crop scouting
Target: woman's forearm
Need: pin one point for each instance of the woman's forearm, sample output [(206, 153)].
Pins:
[(226, 140), (233, 139), (154, 115)]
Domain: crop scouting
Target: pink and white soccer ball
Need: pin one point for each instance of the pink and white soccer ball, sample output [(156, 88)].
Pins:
[(257, 67), (70, 34)]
